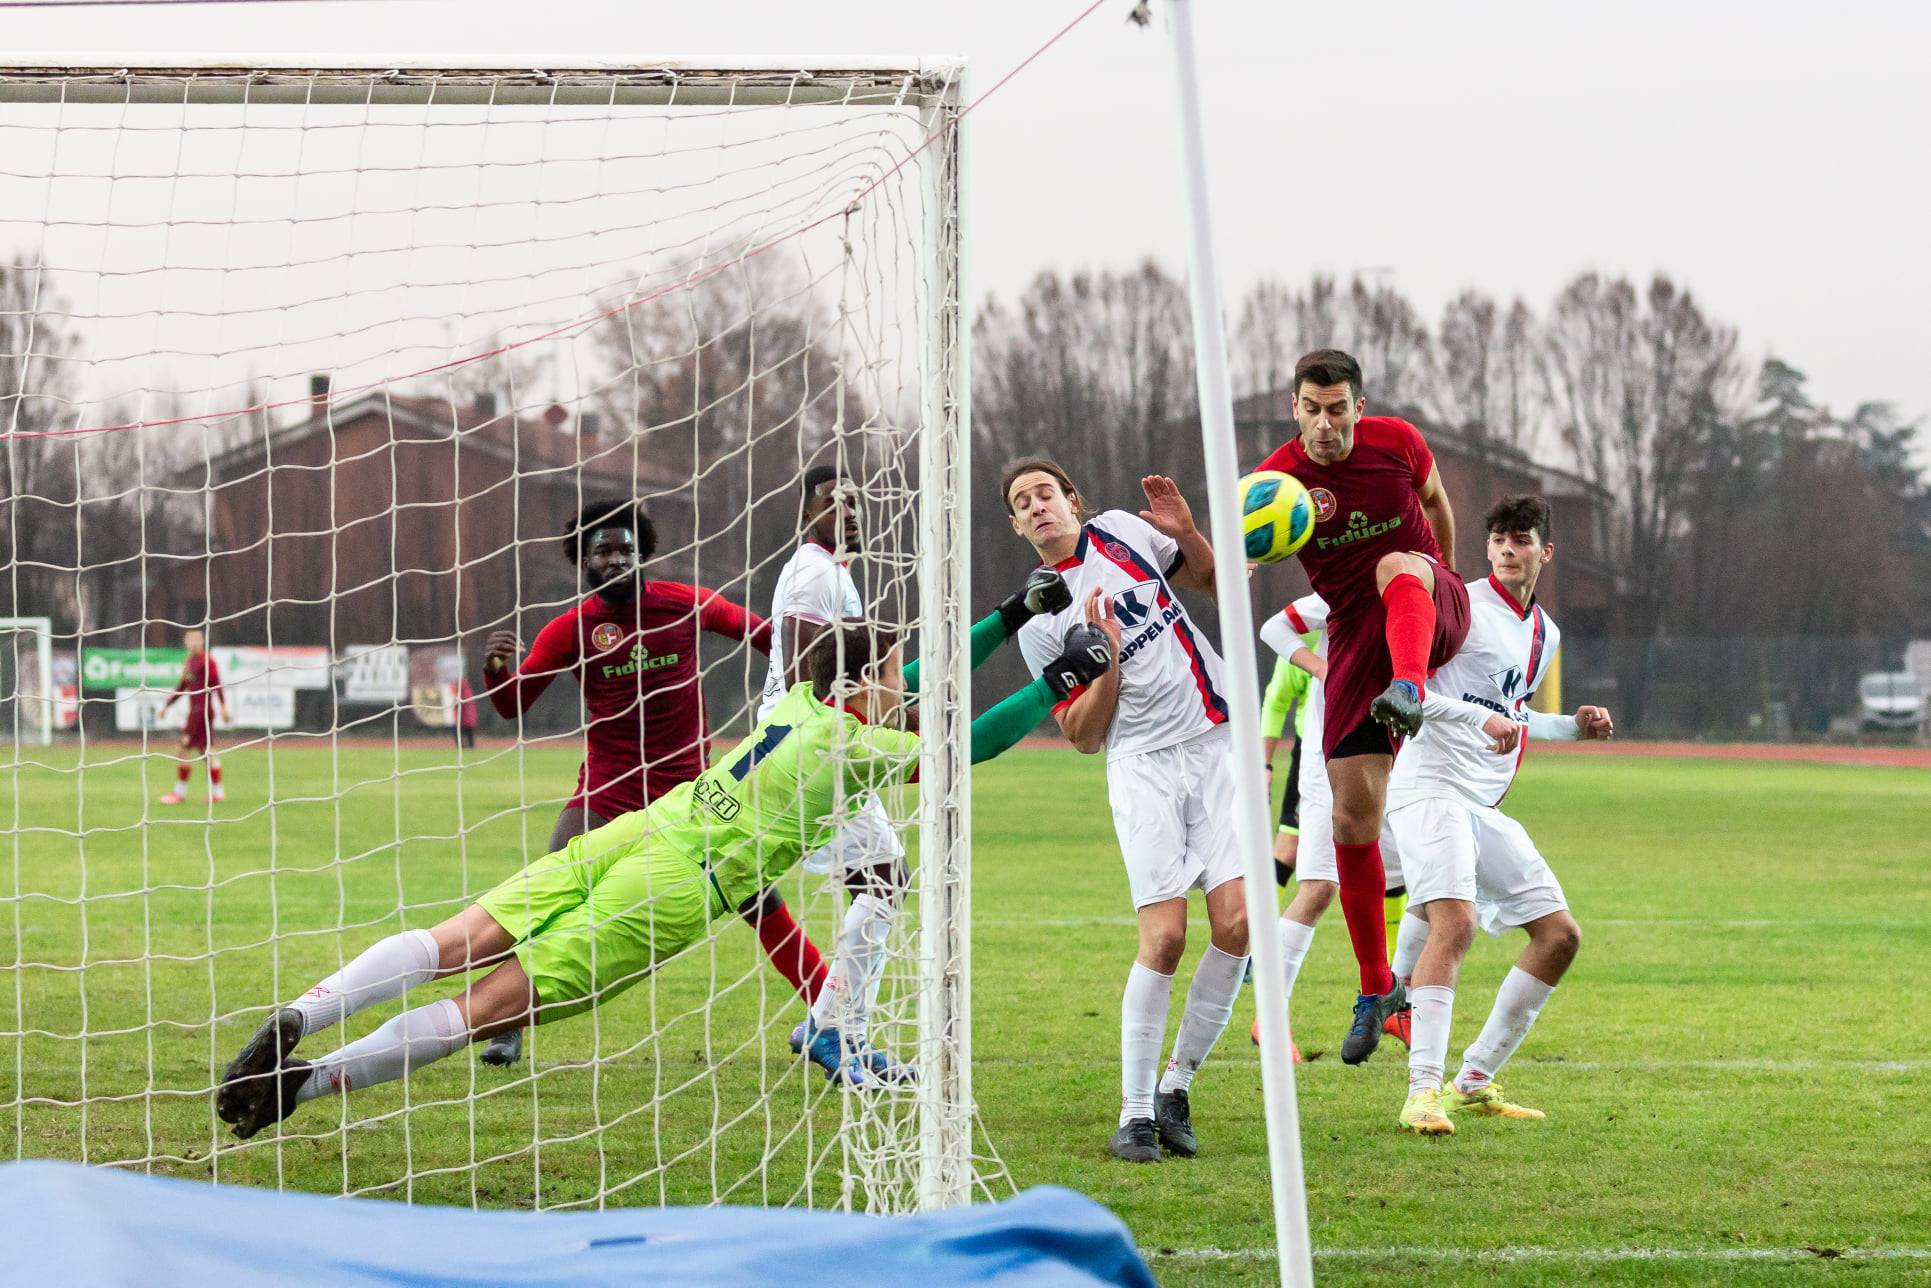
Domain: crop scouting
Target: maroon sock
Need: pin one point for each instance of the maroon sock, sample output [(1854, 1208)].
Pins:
[(792, 952), (1411, 627), (1363, 887), (214, 773), (181, 771)]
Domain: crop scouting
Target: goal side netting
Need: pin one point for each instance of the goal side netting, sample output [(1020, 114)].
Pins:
[(304, 374)]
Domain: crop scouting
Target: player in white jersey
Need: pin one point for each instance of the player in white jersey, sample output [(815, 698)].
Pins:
[(1464, 860), (816, 591), (1160, 715), (1299, 634)]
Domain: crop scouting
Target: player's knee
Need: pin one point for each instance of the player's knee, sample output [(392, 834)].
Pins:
[(764, 904), (1161, 947), (1564, 938), (1229, 932), (1453, 921), (1310, 901)]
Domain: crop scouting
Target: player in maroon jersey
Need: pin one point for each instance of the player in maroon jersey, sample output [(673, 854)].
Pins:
[(632, 647), (201, 683), (1382, 523)]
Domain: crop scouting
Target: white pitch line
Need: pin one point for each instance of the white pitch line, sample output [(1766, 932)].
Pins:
[(1503, 1255), (1748, 923), (1542, 1066)]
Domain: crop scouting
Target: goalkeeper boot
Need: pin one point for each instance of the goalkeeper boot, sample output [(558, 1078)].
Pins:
[(1292, 1049), (1398, 707), (503, 1050), (1136, 1142), (1488, 1101), (1173, 1119), (246, 1081), (1424, 1114), (276, 1098), (1370, 1013)]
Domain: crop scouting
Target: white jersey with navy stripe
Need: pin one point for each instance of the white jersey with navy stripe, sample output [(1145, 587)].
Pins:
[(1501, 664), (1171, 687)]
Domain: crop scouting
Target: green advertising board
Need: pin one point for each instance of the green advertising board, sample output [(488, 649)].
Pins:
[(131, 668)]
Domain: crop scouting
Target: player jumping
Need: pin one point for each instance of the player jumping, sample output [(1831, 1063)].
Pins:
[(201, 683), (580, 926), (1382, 521), (632, 646), (1465, 861), (1160, 716)]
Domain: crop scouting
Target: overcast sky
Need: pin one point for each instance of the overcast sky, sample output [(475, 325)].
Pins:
[(1771, 156)]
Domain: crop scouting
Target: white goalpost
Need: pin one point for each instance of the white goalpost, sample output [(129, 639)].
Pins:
[(27, 678), (318, 361)]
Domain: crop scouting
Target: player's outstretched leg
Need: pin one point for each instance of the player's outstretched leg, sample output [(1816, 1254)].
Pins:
[(1553, 941), (505, 1050), (253, 1077)]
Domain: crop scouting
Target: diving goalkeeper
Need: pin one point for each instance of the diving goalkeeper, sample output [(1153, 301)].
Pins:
[(583, 924)]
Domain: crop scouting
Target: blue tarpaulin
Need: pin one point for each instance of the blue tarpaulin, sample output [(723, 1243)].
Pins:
[(63, 1224)]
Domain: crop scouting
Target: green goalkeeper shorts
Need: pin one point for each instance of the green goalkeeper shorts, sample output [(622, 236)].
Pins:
[(596, 916)]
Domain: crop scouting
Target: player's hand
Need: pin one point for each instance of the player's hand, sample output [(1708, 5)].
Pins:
[(1503, 734), (1045, 591), (1099, 612), (1087, 656), (1167, 510), (1594, 724), (499, 650)]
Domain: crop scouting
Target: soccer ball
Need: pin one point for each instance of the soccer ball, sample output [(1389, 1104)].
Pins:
[(1276, 514)]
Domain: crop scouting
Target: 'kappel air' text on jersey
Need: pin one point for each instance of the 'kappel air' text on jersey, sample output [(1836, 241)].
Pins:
[(1501, 664), (1171, 687)]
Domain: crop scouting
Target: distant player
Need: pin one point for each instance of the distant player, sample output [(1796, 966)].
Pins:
[(1299, 635), (201, 685), (582, 925), (1160, 715), (1465, 861), (631, 645), (1286, 692), (1382, 521)]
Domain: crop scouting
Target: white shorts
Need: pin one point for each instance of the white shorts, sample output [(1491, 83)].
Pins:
[(1173, 810), (1454, 850), (868, 840), (1314, 857)]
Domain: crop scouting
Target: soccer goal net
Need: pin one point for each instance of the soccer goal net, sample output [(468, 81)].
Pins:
[(308, 373)]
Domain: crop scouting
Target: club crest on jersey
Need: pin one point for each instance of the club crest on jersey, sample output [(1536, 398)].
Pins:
[(606, 636), (1325, 506), (1133, 604), (1116, 552)]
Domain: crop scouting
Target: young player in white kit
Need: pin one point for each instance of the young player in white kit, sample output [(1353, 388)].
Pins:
[(1160, 715), (1464, 860)]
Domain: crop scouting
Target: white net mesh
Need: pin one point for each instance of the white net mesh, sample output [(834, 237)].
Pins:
[(320, 364)]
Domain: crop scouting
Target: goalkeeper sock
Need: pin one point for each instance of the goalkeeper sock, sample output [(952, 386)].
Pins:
[(1296, 939), (1210, 1004), (792, 952), (1143, 1027), (1362, 884), (1517, 1003), (1434, 1011), (1410, 630), (398, 1048), (845, 1001), (1410, 939), (382, 971)]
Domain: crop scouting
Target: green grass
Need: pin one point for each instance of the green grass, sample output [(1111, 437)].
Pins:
[(1732, 1070)]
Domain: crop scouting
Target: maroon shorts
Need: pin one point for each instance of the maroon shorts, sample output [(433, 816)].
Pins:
[(1358, 666), (609, 790), (198, 733)]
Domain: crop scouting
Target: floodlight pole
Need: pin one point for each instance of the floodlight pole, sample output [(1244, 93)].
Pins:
[(1237, 640)]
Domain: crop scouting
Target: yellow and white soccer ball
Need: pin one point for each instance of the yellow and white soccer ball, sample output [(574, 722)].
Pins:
[(1276, 514)]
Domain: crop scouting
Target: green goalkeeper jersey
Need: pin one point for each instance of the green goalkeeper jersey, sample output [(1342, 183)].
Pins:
[(786, 791)]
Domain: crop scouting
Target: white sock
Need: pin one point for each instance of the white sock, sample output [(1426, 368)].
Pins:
[(400, 1047), (857, 969), (1210, 1004), (1434, 1010), (382, 971), (1410, 939), (1143, 1028), (1296, 939), (1517, 1003)]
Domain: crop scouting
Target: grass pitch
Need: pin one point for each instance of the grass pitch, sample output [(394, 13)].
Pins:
[(1732, 1071)]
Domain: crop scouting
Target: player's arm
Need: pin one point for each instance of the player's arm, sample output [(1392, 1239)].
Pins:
[(1441, 516), (1503, 733), (719, 616), (1586, 725), (216, 689), (512, 691), (1169, 514), (1044, 592), (1086, 712)]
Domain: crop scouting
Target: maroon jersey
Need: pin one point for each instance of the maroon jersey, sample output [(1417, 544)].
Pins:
[(1365, 507), (200, 681), (643, 696)]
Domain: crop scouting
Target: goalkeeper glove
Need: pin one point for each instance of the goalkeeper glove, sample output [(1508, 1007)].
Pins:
[(1044, 592), (1087, 656)]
